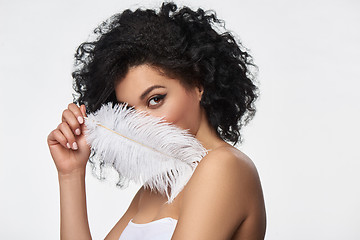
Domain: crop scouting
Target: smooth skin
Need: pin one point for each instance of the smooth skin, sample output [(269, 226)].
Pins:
[(222, 200)]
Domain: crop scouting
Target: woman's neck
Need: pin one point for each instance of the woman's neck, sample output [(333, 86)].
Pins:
[(207, 135)]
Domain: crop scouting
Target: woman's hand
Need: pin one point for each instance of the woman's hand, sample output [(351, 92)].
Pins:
[(67, 142)]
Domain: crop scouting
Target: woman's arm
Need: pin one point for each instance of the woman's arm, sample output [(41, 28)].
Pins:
[(73, 213), (70, 152)]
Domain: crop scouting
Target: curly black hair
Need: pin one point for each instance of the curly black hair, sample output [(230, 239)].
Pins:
[(183, 43)]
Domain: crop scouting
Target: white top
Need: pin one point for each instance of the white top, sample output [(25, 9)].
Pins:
[(161, 229)]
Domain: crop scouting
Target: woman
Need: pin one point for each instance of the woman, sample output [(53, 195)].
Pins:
[(172, 64)]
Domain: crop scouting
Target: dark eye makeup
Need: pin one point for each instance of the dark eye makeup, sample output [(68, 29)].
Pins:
[(159, 97)]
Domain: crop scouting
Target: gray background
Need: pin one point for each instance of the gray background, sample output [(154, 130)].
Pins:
[(304, 139)]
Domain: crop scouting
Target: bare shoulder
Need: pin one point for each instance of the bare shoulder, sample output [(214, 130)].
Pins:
[(223, 198), (229, 156), (229, 164)]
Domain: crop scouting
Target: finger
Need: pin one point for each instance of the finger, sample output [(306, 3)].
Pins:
[(64, 141), (56, 137), (69, 136), (60, 138), (83, 110), (77, 112), (69, 117)]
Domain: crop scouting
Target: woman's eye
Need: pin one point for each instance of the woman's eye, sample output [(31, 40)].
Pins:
[(156, 100)]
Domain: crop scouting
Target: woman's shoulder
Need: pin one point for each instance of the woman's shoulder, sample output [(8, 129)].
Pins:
[(225, 171), (232, 173), (229, 159), (223, 192)]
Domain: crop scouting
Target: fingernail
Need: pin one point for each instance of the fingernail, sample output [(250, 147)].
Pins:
[(80, 119), (68, 145), (75, 147), (77, 131)]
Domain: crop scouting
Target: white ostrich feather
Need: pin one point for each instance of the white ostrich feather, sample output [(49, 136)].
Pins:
[(143, 148)]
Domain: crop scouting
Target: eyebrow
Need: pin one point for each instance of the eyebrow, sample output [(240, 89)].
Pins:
[(147, 91)]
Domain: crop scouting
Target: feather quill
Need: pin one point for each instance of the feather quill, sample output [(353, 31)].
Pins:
[(143, 148)]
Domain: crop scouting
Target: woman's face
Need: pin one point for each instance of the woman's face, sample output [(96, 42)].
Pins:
[(146, 88)]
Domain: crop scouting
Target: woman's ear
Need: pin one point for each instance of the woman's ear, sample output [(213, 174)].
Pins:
[(200, 92)]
